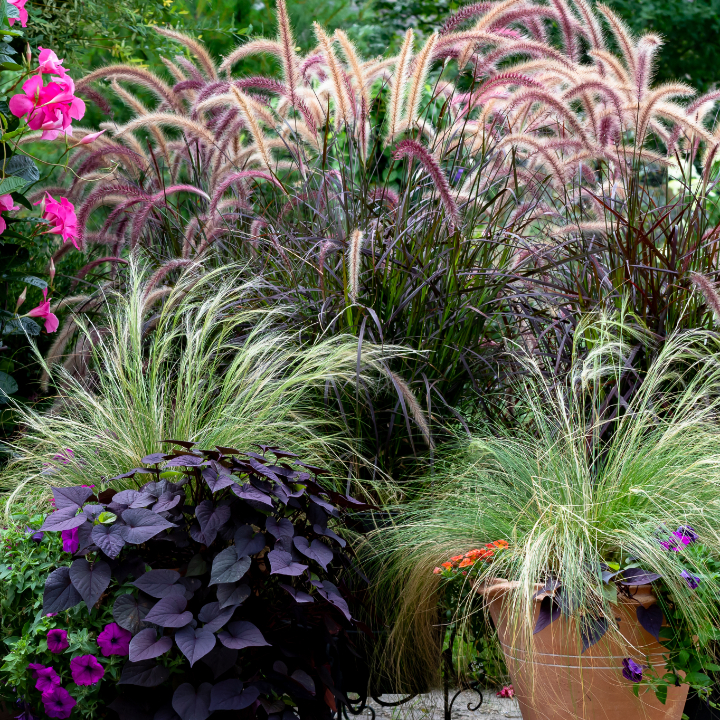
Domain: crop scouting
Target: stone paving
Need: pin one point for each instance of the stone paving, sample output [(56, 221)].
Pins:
[(430, 707)]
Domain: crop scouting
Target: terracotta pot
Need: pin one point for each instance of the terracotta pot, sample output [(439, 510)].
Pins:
[(556, 682)]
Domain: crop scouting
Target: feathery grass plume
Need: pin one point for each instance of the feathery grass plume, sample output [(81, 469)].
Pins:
[(196, 48), (398, 83), (254, 47), (413, 405), (464, 14), (353, 259), (709, 292), (417, 79), (413, 149), (337, 75), (177, 121), (249, 116), (361, 89), (291, 73)]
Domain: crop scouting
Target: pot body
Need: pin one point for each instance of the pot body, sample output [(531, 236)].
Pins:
[(556, 682)]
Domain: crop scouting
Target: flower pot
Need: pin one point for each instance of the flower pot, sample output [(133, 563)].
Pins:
[(556, 682)]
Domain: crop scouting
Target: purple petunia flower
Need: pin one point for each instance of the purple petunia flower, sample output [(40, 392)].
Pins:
[(46, 677), (692, 580), (57, 640), (25, 715), (631, 670), (686, 535), (86, 670), (70, 540), (114, 640), (37, 536), (58, 703)]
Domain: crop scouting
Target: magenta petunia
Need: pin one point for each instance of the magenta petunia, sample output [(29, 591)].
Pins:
[(57, 640), (46, 677), (58, 703), (114, 640), (70, 540), (86, 670)]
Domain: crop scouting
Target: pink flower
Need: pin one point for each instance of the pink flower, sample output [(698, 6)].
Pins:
[(114, 640), (43, 311), (50, 108), (58, 703), (506, 692), (61, 216), (91, 137), (20, 5), (70, 540), (46, 677), (86, 670), (50, 63), (65, 457), (6, 204), (57, 639)]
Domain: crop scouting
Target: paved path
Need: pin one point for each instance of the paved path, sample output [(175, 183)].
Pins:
[(430, 707)]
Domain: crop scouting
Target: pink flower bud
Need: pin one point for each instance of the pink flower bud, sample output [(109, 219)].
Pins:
[(90, 138), (21, 299), (52, 271)]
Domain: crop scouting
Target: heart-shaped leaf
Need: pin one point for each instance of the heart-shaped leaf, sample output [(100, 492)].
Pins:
[(211, 519), (301, 677), (59, 592), (281, 563), (191, 705), (332, 595), (167, 501), (316, 550), (637, 576), (159, 583), (109, 538), (247, 542), (146, 674), (70, 497), (153, 459), (168, 612), (185, 461), (549, 612), (146, 646), (329, 533), (252, 494), (230, 695), (227, 568), (129, 614), (65, 519), (90, 581), (651, 619), (194, 644), (591, 630), (143, 524), (298, 595), (214, 616), (217, 477), (220, 659), (232, 594), (240, 635), (283, 528)]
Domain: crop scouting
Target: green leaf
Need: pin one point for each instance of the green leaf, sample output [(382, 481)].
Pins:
[(107, 518), (712, 667), (196, 566), (697, 678), (10, 66), (17, 197), (11, 183), (20, 326), (8, 386), (27, 279), (661, 693), (23, 167)]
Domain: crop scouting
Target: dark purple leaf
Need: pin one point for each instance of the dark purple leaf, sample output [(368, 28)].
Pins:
[(143, 524), (247, 542), (217, 477), (85, 540), (325, 505), (59, 592), (591, 630), (329, 533), (146, 646), (167, 501), (153, 459), (302, 678), (550, 586), (158, 583), (549, 613), (92, 512), (317, 550), (65, 519), (284, 528), (90, 581), (280, 454), (298, 595), (220, 659), (240, 635), (651, 619), (229, 695), (227, 568), (182, 443), (168, 612), (227, 450), (214, 616), (314, 470), (130, 473), (127, 709), (194, 643), (146, 674), (109, 538), (134, 498), (70, 497), (232, 594), (129, 614), (332, 595), (281, 563), (211, 519), (262, 469), (252, 494), (637, 576), (185, 461), (190, 584), (191, 705), (106, 496)]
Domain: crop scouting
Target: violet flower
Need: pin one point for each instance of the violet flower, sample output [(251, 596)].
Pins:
[(686, 535), (631, 670), (114, 640), (692, 580), (58, 703), (70, 540), (46, 677), (37, 536), (57, 640), (86, 670)]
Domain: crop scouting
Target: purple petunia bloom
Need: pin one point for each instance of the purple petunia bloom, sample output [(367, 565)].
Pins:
[(57, 640), (25, 715), (668, 545), (58, 703), (86, 670), (46, 677), (37, 536), (686, 535), (692, 580), (631, 670), (70, 540), (114, 640)]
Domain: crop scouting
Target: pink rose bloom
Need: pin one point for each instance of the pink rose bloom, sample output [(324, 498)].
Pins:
[(114, 640), (50, 63), (6, 204), (86, 670), (50, 108), (58, 703), (43, 311), (57, 640), (62, 217), (20, 5)]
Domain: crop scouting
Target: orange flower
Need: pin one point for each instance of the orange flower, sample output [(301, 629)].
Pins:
[(501, 544), (447, 565), (475, 554), (457, 558), (437, 571), (466, 562)]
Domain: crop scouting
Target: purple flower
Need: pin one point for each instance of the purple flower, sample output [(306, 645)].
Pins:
[(686, 535), (114, 640), (25, 715), (668, 545), (86, 670), (58, 703), (692, 580), (70, 540), (57, 641), (51, 615), (631, 670), (46, 677), (36, 536)]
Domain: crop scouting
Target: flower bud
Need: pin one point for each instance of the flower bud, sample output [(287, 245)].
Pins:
[(21, 299), (89, 138), (52, 271)]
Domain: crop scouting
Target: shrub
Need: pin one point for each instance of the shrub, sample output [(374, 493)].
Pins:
[(234, 561)]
